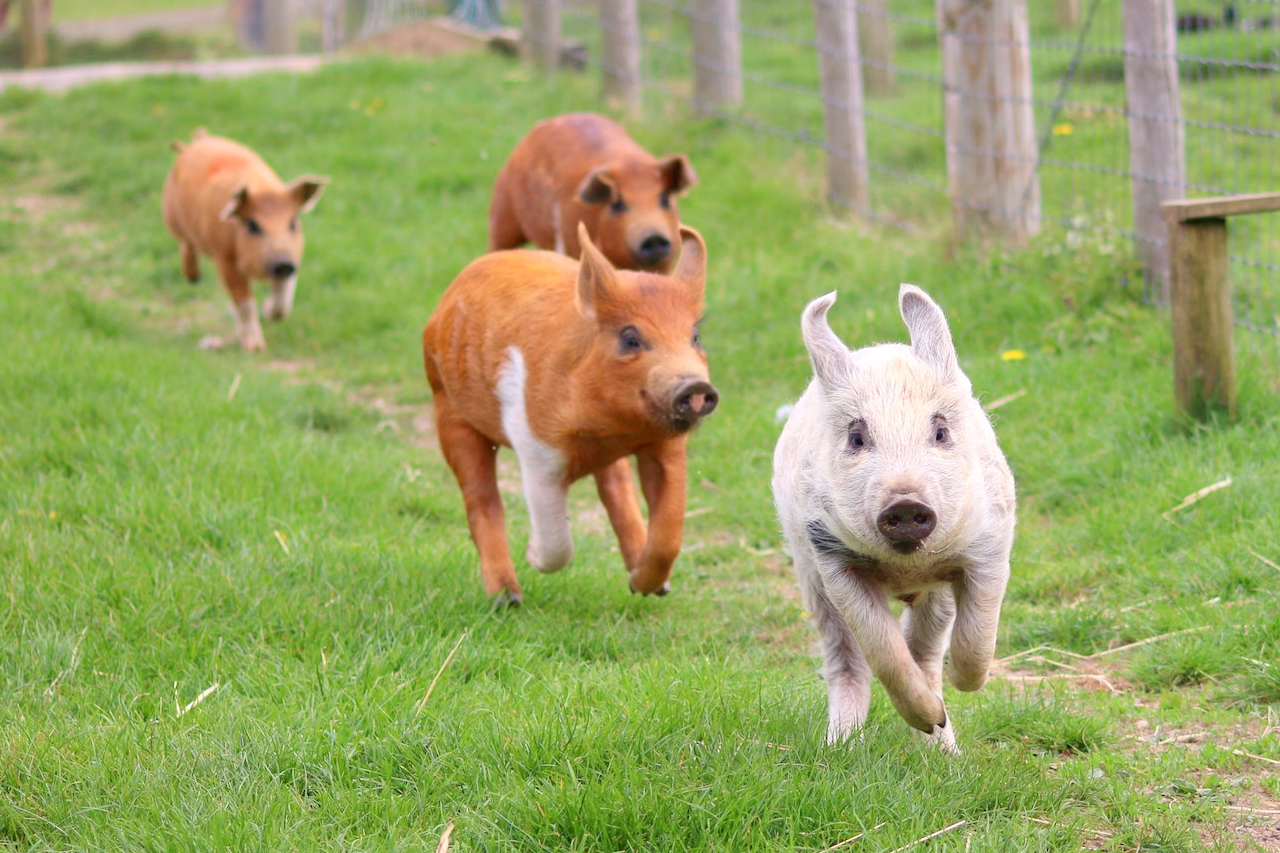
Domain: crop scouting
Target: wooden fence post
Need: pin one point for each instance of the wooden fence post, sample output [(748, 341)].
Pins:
[(875, 44), (280, 27), (1068, 14), (1204, 375), (620, 59), (1156, 158), (848, 179), (35, 47), (717, 54), (540, 33), (1204, 372), (990, 120)]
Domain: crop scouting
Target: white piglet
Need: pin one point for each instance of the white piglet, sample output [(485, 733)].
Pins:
[(889, 484)]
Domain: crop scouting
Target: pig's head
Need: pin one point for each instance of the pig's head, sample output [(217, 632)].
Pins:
[(638, 226), (900, 432), (648, 366), (268, 230)]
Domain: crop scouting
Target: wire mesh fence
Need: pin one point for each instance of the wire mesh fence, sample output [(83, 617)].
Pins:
[(1082, 167)]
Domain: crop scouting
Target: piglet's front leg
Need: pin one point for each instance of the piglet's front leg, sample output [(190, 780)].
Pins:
[(662, 470)]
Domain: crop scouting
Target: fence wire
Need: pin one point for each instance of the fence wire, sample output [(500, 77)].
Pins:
[(1228, 62)]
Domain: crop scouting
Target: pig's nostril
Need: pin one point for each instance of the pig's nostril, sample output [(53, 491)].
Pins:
[(653, 248), (906, 522), (695, 400), (283, 270)]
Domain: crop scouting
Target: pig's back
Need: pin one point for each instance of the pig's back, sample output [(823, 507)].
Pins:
[(205, 175), (518, 298)]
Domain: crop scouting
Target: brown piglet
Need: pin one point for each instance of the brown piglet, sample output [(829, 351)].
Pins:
[(584, 168), (576, 367), (222, 200)]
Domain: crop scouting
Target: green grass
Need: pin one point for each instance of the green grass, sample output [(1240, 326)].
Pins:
[(91, 10), (283, 527)]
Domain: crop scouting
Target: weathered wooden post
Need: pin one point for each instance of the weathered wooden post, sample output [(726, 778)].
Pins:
[(541, 33), (1204, 373), (717, 54), (1068, 14), (875, 43), (990, 120), (1156, 160), (848, 179), (333, 25), (620, 59), (35, 48), (280, 26)]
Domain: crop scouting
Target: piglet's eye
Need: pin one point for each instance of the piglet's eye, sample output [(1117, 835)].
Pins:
[(941, 434), (252, 226), (858, 437), (618, 206), (293, 224), (629, 341)]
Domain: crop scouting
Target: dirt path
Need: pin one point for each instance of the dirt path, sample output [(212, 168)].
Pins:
[(66, 77)]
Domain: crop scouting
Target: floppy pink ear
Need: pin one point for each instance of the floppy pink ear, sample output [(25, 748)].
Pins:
[(827, 352), (235, 207), (306, 190), (598, 187)]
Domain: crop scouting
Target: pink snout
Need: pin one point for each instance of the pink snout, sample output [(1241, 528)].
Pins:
[(906, 523), (692, 400)]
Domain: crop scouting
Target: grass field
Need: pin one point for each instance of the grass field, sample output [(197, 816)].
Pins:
[(241, 609)]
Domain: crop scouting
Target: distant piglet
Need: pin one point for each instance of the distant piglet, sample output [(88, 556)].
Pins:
[(583, 168), (222, 200), (889, 483), (576, 366)]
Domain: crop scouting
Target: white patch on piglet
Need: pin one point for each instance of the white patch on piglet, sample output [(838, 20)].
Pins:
[(889, 484), (542, 471)]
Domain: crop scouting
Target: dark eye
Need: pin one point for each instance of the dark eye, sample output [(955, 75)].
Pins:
[(665, 201), (629, 341), (697, 337), (252, 226), (941, 435), (858, 438), (618, 206), (293, 224)]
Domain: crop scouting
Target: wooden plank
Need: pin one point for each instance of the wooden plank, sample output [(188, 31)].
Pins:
[(1219, 207), (1200, 304), (848, 172)]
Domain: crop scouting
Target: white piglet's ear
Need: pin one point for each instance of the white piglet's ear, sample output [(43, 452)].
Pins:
[(828, 353), (930, 335)]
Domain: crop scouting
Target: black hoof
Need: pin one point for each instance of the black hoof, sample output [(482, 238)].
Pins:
[(666, 588), (506, 598)]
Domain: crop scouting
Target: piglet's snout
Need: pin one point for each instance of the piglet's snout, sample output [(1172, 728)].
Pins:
[(693, 399), (281, 270), (905, 523), (653, 250)]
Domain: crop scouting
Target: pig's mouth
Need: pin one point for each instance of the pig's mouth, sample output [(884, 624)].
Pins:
[(906, 547)]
